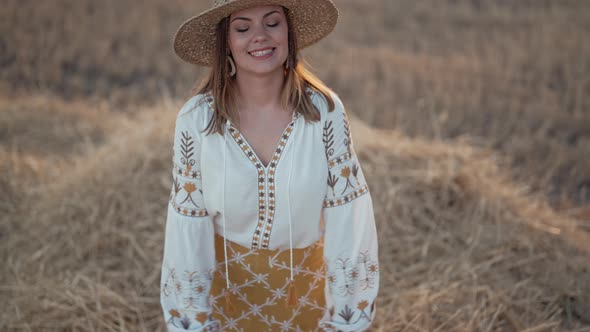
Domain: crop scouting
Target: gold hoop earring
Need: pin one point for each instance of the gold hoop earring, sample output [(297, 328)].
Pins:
[(232, 66)]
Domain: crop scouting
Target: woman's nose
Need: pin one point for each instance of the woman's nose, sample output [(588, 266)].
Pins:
[(260, 34)]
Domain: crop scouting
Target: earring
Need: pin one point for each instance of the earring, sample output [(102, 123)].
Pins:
[(232, 66)]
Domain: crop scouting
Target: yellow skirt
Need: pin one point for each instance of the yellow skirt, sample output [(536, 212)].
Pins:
[(259, 287)]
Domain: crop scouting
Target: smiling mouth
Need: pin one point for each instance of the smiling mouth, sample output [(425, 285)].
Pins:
[(262, 53)]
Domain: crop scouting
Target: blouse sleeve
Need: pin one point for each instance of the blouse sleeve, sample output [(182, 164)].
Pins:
[(189, 256), (350, 245)]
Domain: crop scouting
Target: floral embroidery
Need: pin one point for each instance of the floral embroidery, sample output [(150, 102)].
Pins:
[(341, 159), (183, 195), (193, 174), (332, 181), (328, 139), (331, 279), (192, 286), (345, 276), (355, 172), (362, 305), (186, 152), (190, 188), (176, 187), (183, 321), (202, 317), (346, 314), (371, 269), (188, 206), (192, 290), (349, 273), (168, 285), (347, 137), (345, 179), (345, 173), (174, 313), (197, 288)]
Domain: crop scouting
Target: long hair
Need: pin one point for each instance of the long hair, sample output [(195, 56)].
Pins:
[(293, 93)]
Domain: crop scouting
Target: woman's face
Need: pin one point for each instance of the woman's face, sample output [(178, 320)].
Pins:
[(258, 39)]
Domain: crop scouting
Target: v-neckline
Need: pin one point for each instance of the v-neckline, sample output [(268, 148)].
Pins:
[(245, 145), (251, 153)]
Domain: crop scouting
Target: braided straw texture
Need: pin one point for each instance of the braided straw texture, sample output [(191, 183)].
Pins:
[(194, 41)]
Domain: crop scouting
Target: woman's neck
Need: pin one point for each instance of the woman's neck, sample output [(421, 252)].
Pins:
[(257, 93)]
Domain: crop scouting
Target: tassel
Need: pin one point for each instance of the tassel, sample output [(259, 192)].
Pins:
[(229, 307), (291, 295)]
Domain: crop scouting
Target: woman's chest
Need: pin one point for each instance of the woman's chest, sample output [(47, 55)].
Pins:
[(263, 133), (258, 198)]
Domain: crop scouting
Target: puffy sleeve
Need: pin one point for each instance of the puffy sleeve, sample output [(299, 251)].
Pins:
[(189, 252), (350, 244)]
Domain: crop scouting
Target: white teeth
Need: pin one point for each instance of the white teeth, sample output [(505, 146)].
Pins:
[(261, 53)]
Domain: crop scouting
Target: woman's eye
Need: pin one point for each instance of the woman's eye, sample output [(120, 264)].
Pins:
[(241, 29), (272, 25)]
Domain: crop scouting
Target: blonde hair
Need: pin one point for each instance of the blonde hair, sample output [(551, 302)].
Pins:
[(293, 93)]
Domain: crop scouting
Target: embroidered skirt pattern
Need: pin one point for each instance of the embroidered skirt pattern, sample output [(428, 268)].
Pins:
[(259, 283)]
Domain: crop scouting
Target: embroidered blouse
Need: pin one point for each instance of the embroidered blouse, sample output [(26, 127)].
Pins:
[(313, 187)]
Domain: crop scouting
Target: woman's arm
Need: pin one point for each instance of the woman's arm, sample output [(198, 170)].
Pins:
[(350, 251), (189, 252)]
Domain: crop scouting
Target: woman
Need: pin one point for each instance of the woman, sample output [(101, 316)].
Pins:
[(270, 224)]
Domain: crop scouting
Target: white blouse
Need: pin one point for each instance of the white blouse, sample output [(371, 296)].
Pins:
[(314, 178)]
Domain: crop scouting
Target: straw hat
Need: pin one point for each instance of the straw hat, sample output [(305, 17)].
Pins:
[(194, 41)]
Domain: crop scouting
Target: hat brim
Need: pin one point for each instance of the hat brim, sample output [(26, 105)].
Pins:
[(312, 20)]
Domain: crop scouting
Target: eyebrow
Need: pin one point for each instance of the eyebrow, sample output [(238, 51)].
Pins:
[(247, 19)]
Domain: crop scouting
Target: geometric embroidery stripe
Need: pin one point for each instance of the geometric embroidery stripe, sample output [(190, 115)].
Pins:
[(189, 212), (266, 177), (333, 202), (341, 159), (185, 172), (271, 197), (243, 144), (266, 183)]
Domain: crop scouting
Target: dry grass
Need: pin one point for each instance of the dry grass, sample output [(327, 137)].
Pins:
[(514, 75), (485, 129), (462, 249)]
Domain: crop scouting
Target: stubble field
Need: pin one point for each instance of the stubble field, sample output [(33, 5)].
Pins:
[(471, 120)]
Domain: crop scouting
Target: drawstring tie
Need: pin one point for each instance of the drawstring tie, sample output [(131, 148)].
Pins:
[(229, 307), (291, 300), (292, 291)]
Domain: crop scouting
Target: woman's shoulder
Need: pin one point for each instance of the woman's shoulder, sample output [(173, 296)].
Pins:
[(196, 112), (199, 104), (323, 106)]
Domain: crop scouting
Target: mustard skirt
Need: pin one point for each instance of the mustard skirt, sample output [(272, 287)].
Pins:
[(260, 295)]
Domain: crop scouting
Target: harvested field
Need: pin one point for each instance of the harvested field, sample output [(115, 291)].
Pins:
[(471, 120)]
